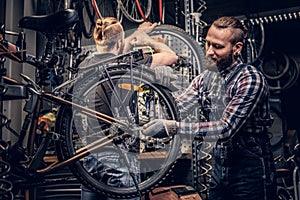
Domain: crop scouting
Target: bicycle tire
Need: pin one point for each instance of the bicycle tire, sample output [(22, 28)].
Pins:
[(118, 12), (87, 16), (183, 45), (281, 71), (107, 8), (275, 65), (131, 11), (70, 130)]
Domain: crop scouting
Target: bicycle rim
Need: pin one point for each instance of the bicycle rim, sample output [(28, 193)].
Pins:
[(87, 16), (131, 11), (155, 160), (280, 70), (183, 45), (107, 8)]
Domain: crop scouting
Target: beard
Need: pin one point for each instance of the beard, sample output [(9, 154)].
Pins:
[(210, 64), (220, 64)]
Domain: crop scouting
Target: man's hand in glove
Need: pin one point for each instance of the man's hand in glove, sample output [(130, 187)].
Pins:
[(117, 130), (160, 128)]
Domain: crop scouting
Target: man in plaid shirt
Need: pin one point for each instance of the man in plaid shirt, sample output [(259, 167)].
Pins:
[(234, 101)]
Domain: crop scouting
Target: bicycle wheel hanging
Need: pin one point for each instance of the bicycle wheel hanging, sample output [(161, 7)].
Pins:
[(129, 96), (107, 8), (87, 16), (132, 9), (184, 46), (280, 70), (254, 44)]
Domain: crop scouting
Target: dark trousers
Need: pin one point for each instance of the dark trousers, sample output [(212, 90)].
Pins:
[(243, 169), (87, 194)]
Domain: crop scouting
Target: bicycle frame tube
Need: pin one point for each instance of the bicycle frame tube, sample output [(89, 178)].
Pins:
[(86, 110), (37, 156), (81, 153)]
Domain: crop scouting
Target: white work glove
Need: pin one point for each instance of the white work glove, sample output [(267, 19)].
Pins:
[(117, 132), (164, 75), (160, 128)]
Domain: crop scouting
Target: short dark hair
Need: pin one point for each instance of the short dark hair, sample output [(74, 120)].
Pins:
[(234, 23)]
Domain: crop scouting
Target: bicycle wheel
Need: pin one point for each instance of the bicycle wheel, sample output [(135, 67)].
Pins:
[(184, 46), (280, 70), (111, 94), (130, 9), (87, 17), (107, 8), (254, 44)]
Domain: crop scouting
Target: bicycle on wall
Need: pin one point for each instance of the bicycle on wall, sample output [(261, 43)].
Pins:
[(85, 124)]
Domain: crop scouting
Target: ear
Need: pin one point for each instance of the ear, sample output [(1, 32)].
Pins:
[(237, 48), (120, 46)]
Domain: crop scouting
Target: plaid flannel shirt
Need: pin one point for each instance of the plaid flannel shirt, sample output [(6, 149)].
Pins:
[(245, 101)]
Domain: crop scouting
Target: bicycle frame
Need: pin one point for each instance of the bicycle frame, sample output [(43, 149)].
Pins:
[(36, 152), (33, 107), (35, 96), (30, 159)]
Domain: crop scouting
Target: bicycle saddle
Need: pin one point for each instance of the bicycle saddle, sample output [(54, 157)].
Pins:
[(53, 23)]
